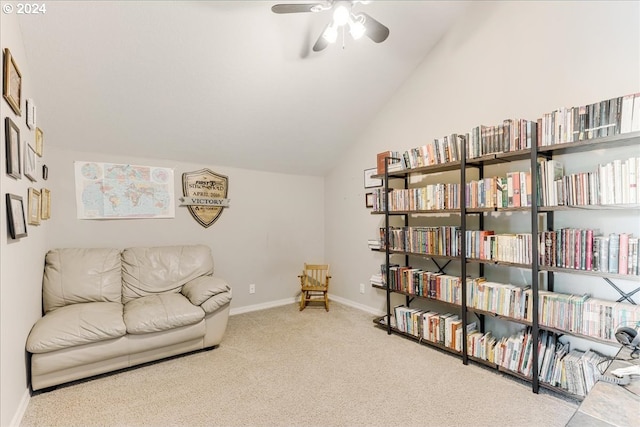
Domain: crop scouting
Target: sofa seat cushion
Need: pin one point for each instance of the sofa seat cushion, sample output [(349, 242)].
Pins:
[(155, 313), (75, 325)]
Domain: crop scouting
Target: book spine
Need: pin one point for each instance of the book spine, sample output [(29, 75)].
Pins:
[(589, 250), (623, 262), (614, 252)]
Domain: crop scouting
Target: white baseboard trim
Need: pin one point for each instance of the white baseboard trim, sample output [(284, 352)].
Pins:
[(356, 305), (263, 306), (22, 408), (278, 303)]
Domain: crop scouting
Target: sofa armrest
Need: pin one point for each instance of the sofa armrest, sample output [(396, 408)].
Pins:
[(202, 288)]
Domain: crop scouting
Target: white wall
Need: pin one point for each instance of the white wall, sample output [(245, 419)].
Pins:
[(501, 60), (273, 225), (20, 260)]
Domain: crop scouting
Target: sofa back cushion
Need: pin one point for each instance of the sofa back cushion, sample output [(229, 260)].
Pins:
[(74, 275), (161, 270)]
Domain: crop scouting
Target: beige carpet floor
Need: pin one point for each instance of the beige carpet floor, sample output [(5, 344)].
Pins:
[(282, 367)]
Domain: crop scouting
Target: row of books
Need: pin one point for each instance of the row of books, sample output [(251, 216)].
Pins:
[(605, 118), (501, 298), (393, 159), (564, 125), (593, 317), (581, 314), (512, 190), (582, 249), (440, 240), (616, 182), (575, 371), (439, 151), (374, 244), (441, 328), (512, 353), (510, 135), (486, 245), (570, 248), (424, 283), (429, 197)]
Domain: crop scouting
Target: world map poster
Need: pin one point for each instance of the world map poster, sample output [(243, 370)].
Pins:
[(119, 191)]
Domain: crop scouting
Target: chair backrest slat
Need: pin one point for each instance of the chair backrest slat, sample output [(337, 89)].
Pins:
[(316, 274)]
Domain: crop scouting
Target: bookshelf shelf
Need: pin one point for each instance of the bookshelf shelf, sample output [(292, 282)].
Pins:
[(418, 254), (628, 277), (381, 323), (541, 184), (412, 295), (561, 391), (483, 362), (614, 141), (634, 206), (418, 212), (442, 167), (499, 316), (496, 158)]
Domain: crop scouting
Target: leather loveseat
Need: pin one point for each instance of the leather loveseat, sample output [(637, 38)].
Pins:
[(106, 309)]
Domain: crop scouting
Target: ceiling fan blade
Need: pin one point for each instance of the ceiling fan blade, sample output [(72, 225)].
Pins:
[(321, 43), (293, 8), (375, 30)]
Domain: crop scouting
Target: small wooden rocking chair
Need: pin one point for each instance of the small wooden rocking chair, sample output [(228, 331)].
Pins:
[(314, 284)]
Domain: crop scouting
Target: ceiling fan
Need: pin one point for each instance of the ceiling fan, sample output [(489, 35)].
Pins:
[(359, 23)]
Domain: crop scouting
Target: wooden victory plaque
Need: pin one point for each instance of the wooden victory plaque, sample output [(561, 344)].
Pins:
[(205, 195)]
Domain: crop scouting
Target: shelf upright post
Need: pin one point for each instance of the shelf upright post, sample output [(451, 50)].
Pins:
[(388, 240), (463, 246), (535, 331)]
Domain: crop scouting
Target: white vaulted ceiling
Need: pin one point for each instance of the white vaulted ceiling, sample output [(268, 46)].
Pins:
[(218, 82)]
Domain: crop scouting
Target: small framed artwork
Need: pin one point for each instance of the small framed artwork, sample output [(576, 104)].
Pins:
[(31, 114), (12, 136), (369, 180), (368, 200), (12, 82), (45, 203), (29, 162), (15, 217), (34, 207), (39, 141), (45, 172)]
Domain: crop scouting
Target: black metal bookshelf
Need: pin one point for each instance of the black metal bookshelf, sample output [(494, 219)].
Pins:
[(535, 211)]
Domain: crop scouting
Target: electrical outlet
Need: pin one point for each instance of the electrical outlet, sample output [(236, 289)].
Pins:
[(362, 288), (252, 288)]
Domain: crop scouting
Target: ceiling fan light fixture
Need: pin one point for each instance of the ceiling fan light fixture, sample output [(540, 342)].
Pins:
[(341, 15), (356, 27)]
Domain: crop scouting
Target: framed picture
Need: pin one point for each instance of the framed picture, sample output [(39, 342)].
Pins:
[(39, 141), (45, 203), (12, 83), (368, 200), (369, 180), (12, 136), (31, 114), (34, 207), (29, 162), (15, 217)]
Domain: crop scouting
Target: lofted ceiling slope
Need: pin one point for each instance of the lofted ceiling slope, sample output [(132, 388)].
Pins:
[(218, 82)]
